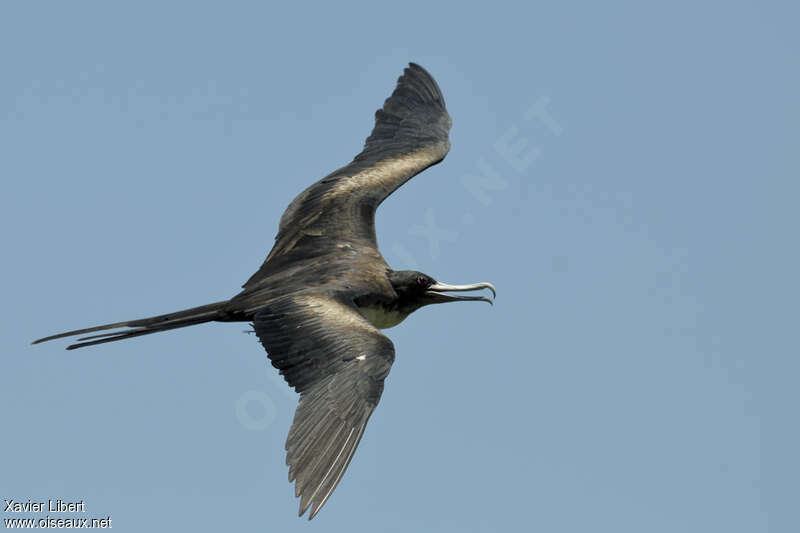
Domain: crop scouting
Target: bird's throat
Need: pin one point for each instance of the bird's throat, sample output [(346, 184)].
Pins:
[(383, 317)]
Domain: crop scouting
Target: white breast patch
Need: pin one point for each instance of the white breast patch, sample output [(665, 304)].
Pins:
[(379, 317)]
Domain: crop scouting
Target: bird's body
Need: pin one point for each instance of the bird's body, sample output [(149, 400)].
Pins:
[(318, 301)]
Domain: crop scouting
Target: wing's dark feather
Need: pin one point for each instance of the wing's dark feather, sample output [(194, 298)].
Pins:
[(410, 134), (413, 116), (337, 361)]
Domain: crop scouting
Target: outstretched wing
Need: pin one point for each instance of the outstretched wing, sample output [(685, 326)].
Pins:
[(410, 134), (337, 361)]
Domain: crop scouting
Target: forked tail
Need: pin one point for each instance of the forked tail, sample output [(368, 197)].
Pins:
[(145, 326)]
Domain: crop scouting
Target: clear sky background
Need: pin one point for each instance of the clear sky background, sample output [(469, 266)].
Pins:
[(626, 175)]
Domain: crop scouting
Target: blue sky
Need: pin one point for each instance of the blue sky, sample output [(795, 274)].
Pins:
[(625, 174)]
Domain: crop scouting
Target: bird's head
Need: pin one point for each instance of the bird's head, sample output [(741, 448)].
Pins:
[(415, 289)]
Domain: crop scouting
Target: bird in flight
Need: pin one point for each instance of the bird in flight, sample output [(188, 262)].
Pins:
[(324, 292)]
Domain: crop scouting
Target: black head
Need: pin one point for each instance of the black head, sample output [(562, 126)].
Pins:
[(415, 289), (410, 283)]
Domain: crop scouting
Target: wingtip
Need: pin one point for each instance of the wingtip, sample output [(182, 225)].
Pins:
[(417, 81), (303, 508), (416, 66), (416, 70)]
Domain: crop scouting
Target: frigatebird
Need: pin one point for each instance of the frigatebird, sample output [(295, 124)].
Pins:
[(318, 301)]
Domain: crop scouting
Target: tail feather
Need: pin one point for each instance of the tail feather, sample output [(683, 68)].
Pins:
[(143, 326)]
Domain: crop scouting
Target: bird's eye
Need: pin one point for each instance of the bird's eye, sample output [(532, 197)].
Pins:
[(422, 280)]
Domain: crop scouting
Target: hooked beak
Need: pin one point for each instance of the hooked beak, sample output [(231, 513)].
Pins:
[(436, 293)]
